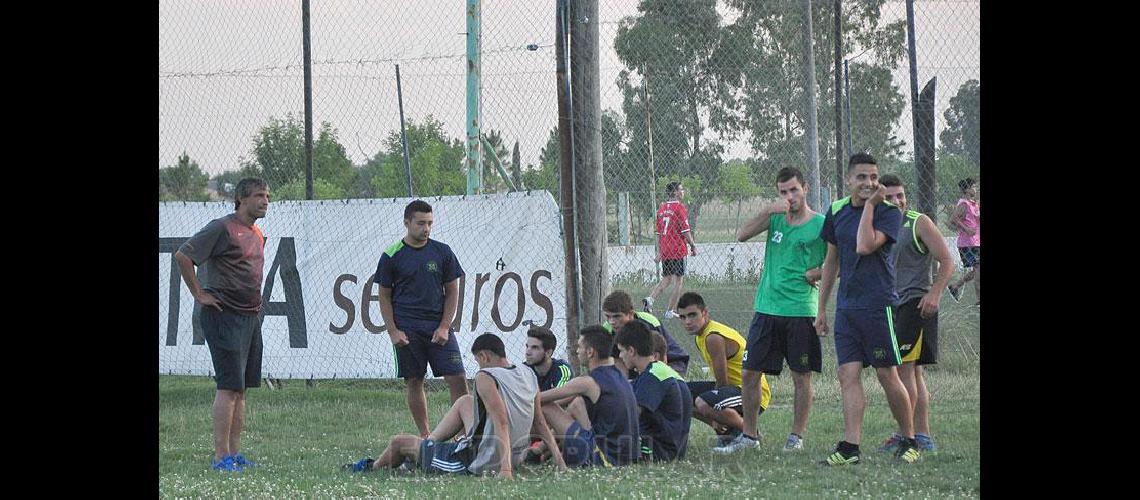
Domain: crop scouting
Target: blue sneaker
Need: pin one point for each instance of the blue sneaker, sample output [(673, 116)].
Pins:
[(925, 443), (364, 465), (227, 464), (244, 462)]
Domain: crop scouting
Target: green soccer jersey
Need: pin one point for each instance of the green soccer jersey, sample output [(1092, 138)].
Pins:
[(789, 252)]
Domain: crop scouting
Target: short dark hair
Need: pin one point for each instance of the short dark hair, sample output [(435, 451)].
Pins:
[(671, 187), (416, 206), (245, 188), (618, 301), (890, 180), (544, 335), (788, 173), (860, 158), (691, 299), (599, 340), (636, 335), (660, 348), (965, 184), (489, 342)]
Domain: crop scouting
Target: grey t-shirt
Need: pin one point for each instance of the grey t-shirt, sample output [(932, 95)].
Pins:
[(518, 387), (912, 261), (232, 256)]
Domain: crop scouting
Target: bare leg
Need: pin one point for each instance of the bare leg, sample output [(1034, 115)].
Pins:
[(224, 402), (978, 282), (678, 281), (400, 448), (897, 397), (660, 286), (560, 419), (750, 394), (921, 403), (906, 376), (459, 418), (457, 384), (237, 423), (417, 403), (728, 417), (703, 412), (802, 405), (852, 388)]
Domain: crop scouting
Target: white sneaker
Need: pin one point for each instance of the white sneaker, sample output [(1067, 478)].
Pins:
[(741, 442), (794, 443), (671, 314)]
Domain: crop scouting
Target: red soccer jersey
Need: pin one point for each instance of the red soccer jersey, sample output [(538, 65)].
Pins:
[(672, 221)]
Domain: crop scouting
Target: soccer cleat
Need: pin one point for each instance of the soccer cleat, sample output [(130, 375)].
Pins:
[(740, 442), (227, 464), (242, 461), (908, 451), (794, 443), (925, 443), (364, 465), (955, 293), (670, 314), (891, 444), (648, 303), (840, 458)]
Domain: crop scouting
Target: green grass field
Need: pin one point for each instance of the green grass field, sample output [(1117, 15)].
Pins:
[(301, 435)]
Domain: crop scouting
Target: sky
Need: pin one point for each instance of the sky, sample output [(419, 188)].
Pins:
[(227, 66)]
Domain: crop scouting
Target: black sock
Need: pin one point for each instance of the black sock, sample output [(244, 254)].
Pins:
[(848, 448)]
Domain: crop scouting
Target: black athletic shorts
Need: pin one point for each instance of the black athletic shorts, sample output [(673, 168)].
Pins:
[(675, 267), (772, 339), (917, 337), (234, 339)]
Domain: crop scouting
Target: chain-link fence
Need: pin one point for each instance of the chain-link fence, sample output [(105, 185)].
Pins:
[(709, 93)]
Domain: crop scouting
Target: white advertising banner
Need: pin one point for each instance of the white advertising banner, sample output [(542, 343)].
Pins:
[(321, 316)]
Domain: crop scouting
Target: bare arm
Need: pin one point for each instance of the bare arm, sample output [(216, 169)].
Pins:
[(450, 305), (830, 273), (398, 337), (539, 427), (692, 244), (578, 386), (936, 244), (761, 221), (186, 266), (715, 345), (497, 410), (867, 239)]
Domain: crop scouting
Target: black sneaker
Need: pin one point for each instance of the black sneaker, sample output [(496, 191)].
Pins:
[(840, 458), (908, 451)]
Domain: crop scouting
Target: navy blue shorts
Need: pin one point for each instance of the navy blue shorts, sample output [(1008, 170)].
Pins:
[(675, 267), (866, 335), (579, 448), (772, 339), (234, 339), (917, 336), (444, 458), (971, 256), (413, 359)]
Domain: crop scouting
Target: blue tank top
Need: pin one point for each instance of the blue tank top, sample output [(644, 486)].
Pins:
[(613, 417)]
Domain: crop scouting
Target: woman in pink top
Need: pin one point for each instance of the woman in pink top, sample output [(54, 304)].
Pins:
[(967, 218)]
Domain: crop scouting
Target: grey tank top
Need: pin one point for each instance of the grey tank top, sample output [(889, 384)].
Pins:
[(518, 388), (912, 267)]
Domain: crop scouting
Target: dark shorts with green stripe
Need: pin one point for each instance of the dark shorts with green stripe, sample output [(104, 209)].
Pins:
[(866, 335)]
